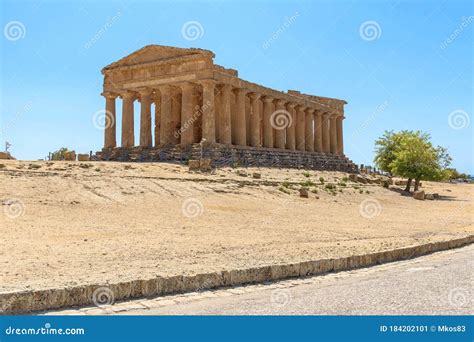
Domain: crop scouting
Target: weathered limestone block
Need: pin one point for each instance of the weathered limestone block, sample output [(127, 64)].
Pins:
[(70, 155), (6, 155), (194, 165), (83, 157), (205, 165), (419, 195)]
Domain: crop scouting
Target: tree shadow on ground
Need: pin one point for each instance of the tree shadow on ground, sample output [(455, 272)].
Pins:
[(402, 192)]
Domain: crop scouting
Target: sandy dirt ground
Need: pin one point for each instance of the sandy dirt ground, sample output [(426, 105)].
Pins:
[(71, 223)]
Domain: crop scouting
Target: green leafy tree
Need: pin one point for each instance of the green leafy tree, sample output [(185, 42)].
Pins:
[(452, 173), (59, 154), (411, 154), (386, 148)]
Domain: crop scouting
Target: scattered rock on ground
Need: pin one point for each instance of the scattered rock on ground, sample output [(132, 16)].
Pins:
[(193, 165), (429, 197), (419, 195), (256, 175), (205, 165), (304, 193)]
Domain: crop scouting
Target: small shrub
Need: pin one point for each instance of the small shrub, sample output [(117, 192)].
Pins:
[(306, 174), (330, 186), (345, 179), (342, 184), (361, 191), (367, 191), (314, 191), (286, 184), (321, 180), (307, 183), (97, 170), (85, 166), (282, 189), (2, 166)]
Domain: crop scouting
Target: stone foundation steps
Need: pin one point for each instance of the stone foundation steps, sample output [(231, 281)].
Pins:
[(224, 155)]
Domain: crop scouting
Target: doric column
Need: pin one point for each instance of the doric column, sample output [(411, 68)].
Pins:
[(166, 129), (110, 139), (300, 128), (197, 112), (280, 122), (333, 134), (208, 110), (340, 138), (240, 123), (128, 138), (175, 115), (309, 130), (225, 131), (145, 117), (157, 100), (187, 114), (290, 130), (267, 126), (318, 131), (325, 129), (255, 119)]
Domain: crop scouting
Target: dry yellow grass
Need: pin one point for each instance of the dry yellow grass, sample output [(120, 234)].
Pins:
[(95, 222)]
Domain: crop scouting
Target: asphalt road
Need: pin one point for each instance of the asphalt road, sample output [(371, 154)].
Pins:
[(437, 284)]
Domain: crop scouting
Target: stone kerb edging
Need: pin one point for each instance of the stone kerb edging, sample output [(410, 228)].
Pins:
[(27, 301)]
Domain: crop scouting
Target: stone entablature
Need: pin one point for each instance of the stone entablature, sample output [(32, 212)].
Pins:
[(197, 100)]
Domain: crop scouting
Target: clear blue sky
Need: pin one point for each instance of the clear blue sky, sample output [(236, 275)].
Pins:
[(406, 73)]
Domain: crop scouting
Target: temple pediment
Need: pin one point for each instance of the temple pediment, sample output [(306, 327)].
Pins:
[(157, 53)]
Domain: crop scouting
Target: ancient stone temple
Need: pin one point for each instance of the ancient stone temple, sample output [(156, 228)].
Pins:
[(193, 108)]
